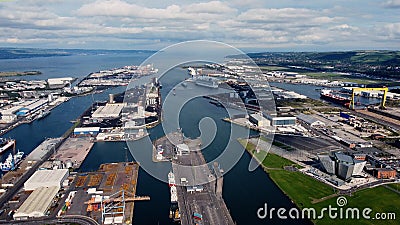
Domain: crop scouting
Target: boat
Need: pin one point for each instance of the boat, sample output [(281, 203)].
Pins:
[(43, 114), (192, 71), (174, 213), (174, 195), (206, 81), (171, 179), (327, 95), (12, 161), (5, 144)]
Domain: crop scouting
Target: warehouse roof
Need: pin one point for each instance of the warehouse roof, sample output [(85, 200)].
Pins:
[(109, 110), (37, 203), (42, 178), (86, 129), (309, 119)]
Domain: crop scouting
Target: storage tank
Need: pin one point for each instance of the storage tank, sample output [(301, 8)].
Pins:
[(111, 100), (68, 164)]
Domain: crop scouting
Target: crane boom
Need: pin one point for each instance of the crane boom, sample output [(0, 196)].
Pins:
[(384, 89)]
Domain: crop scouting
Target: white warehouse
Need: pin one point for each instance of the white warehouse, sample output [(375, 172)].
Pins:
[(37, 204), (46, 178)]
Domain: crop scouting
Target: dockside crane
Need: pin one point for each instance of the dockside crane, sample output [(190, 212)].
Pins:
[(384, 89)]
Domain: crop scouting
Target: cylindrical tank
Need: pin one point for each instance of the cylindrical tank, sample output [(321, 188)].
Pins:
[(68, 164), (111, 98)]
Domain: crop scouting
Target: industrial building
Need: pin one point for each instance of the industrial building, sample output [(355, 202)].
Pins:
[(110, 110), (63, 81), (46, 178), (37, 204), (258, 120), (385, 173), (309, 120), (282, 121), (342, 165), (87, 131), (183, 149)]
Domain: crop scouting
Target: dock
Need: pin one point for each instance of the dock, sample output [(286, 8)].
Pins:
[(199, 188), (107, 194), (74, 150)]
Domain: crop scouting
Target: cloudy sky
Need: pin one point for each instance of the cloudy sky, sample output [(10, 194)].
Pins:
[(247, 24)]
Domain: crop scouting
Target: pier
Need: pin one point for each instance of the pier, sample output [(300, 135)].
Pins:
[(199, 188)]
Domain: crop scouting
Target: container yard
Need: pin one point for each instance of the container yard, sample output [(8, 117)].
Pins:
[(106, 195)]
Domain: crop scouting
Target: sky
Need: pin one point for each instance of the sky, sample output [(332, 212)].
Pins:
[(250, 25)]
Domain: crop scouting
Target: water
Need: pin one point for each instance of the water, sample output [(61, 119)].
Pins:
[(311, 92), (244, 191), (71, 66)]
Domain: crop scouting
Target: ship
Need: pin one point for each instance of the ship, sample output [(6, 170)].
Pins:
[(43, 114), (192, 71), (171, 179), (5, 144), (12, 161), (174, 213), (206, 81), (327, 95), (174, 195)]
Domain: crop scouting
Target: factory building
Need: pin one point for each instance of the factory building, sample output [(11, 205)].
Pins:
[(37, 204), (309, 120), (282, 121), (86, 131), (110, 110), (46, 178), (183, 149), (59, 82)]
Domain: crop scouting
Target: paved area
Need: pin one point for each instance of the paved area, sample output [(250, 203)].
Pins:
[(205, 202), (74, 149), (108, 180)]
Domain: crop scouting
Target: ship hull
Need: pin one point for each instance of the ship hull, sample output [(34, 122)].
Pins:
[(335, 99)]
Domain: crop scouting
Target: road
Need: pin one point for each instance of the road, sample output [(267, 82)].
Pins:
[(76, 219)]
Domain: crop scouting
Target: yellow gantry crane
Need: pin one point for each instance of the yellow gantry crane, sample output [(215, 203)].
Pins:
[(384, 89)]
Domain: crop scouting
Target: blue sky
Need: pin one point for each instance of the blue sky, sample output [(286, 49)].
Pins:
[(251, 25)]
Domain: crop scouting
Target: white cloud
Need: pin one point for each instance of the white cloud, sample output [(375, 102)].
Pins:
[(392, 4), (148, 22)]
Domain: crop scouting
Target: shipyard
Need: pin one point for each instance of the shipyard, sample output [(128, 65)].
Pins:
[(340, 138)]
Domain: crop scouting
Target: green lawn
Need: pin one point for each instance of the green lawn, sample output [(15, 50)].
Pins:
[(301, 188), (304, 190), (379, 200), (395, 186), (340, 77), (269, 160)]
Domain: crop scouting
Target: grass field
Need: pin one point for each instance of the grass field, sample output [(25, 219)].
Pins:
[(306, 192)]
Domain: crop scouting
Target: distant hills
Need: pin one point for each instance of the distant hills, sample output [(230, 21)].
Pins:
[(377, 63), (17, 53)]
